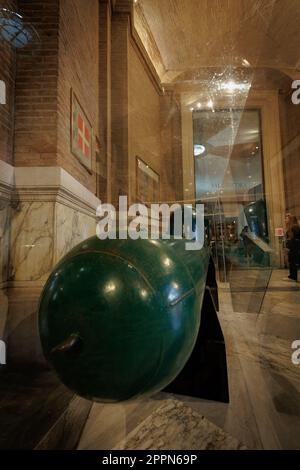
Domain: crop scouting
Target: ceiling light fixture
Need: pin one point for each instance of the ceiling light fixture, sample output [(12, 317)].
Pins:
[(14, 30)]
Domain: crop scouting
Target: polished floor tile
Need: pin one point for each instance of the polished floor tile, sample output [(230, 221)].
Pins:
[(264, 408)]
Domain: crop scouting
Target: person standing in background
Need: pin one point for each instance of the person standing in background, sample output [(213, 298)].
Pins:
[(285, 241), (246, 242), (293, 246)]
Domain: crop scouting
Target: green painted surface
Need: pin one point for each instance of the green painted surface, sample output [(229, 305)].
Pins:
[(119, 318)]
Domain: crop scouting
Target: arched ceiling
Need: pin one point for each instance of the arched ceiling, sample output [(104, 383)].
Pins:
[(183, 36)]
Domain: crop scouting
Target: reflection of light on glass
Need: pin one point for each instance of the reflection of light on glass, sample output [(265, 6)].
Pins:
[(110, 287), (12, 28), (192, 109), (173, 291), (167, 261), (199, 105), (144, 293), (17, 14), (198, 150), (233, 86), (29, 246), (246, 63), (251, 210), (210, 104), (176, 321)]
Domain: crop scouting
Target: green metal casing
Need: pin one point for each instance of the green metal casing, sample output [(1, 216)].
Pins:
[(133, 307)]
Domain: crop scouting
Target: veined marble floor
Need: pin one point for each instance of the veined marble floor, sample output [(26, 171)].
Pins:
[(264, 408)]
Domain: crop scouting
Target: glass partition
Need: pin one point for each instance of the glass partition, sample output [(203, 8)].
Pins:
[(229, 179)]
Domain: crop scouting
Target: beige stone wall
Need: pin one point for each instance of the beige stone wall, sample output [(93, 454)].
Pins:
[(144, 119), (171, 147), (290, 135), (119, 105), (154, 129), (104, 188)]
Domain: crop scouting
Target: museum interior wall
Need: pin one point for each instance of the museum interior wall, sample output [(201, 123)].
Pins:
[(143, 107), (290, 125), (95, 56), (144, 118), (234, 189), (48, 197), (8, 70)]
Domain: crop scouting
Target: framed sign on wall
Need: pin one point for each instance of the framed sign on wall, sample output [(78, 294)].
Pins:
[(81, 133), (147, 182)]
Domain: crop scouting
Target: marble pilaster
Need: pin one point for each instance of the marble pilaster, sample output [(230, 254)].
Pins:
[(6, 188), (51, 212)]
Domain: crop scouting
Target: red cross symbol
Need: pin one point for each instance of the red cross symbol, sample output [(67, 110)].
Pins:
[(83, 137)]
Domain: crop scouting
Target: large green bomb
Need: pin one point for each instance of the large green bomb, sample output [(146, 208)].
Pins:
[(119, 318)]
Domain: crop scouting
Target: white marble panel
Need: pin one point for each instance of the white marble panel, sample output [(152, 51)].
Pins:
[(6, 185), (72, 227), (37, 178), (4, 239), (4, 250), (32, 232)]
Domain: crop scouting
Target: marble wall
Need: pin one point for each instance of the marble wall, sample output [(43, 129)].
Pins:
[(50, 213), (6, 187), (32, 240), (71, 227), (4, 241)]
